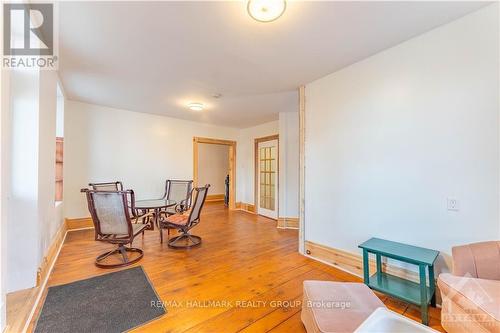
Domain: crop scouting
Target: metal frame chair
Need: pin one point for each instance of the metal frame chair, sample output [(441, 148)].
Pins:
[(107, 186), (183, 222), (118, 186), (179, 191), (113, 224)]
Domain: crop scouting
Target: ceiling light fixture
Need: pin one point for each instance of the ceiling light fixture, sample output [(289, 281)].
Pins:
[(266, 10), (195, 106)]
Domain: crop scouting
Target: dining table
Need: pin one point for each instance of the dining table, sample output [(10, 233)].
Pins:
[(154, 205)]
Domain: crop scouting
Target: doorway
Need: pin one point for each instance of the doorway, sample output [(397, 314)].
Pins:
[(230, 170), (267, 176)]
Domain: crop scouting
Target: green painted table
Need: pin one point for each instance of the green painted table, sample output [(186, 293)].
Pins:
[(409, 291)]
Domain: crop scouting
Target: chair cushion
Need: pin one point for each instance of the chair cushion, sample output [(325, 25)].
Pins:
[(179, 219), (336, 306)]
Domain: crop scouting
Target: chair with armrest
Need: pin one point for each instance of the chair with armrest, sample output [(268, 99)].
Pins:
[(185, 221), (113, 224), (108, 186), (180, 192), (471, 293), (118, 186)]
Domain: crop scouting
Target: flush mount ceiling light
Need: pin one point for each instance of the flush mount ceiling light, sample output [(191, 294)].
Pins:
[(195, 106), (266, 10)]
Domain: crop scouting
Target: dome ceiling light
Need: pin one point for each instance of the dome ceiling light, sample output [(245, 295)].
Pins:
[(195, 106), (266, 10)]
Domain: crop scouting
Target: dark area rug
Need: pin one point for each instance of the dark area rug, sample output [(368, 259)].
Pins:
[(114, 302)]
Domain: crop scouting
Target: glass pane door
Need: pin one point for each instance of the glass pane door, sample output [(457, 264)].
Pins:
[(268, 179)]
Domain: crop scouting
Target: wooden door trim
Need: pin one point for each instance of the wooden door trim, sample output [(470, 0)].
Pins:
[(302, 167), (232, 164), (256, 169)]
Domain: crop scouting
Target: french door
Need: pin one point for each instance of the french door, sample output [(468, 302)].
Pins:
[(267, 197)]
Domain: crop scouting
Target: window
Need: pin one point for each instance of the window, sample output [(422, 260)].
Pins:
[(59, 168), (59, 144)]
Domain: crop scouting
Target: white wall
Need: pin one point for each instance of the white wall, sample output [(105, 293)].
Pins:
[(49, 220), (213, 166), (141, 150), (388, 139), (245, 159), (4, 187), (29, 217), (22, 219), (289, 164)]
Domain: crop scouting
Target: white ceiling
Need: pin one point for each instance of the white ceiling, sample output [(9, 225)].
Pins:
[(155, 57)]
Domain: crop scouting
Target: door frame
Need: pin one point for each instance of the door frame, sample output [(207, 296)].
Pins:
[(232, 164), (302, 169), (256, 170)]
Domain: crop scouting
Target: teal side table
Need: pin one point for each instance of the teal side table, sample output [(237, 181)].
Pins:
[(406, 290)]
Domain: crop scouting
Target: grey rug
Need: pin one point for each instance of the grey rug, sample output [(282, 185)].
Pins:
[(114, 302)]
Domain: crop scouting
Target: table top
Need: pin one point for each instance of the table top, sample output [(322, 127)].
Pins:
[(154, 203), (400, 251)]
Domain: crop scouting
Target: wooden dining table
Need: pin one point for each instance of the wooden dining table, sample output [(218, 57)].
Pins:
[(155, 205)]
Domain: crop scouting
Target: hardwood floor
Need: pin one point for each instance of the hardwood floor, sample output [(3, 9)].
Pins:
[(19, 306), (248, 269)]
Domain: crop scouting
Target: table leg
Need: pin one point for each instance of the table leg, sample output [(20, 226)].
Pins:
[(423, 295), (149, 222), (432, 285), (366, 267), (157, 218), (379, 268)]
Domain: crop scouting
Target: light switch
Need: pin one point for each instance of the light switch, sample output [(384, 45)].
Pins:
[(453, 204)]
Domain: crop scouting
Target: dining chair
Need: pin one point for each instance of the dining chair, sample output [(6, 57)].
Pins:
[(108, 186), (180, 192), (112, 220), (118, 186), (185, 221)]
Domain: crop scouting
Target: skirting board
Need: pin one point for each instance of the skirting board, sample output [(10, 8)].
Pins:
[(353, 263), (249, 208), (31, 297), (50, 257), (80, 223), (288, 222), (215, 197)]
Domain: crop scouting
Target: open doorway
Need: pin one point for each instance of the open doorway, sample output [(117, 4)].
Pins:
[(214, 163), (266, 176)]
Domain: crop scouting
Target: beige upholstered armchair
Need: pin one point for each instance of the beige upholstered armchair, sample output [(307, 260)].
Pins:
[(471, 295)]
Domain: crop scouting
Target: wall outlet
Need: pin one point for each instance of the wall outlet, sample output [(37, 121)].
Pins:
[(452, 204)]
